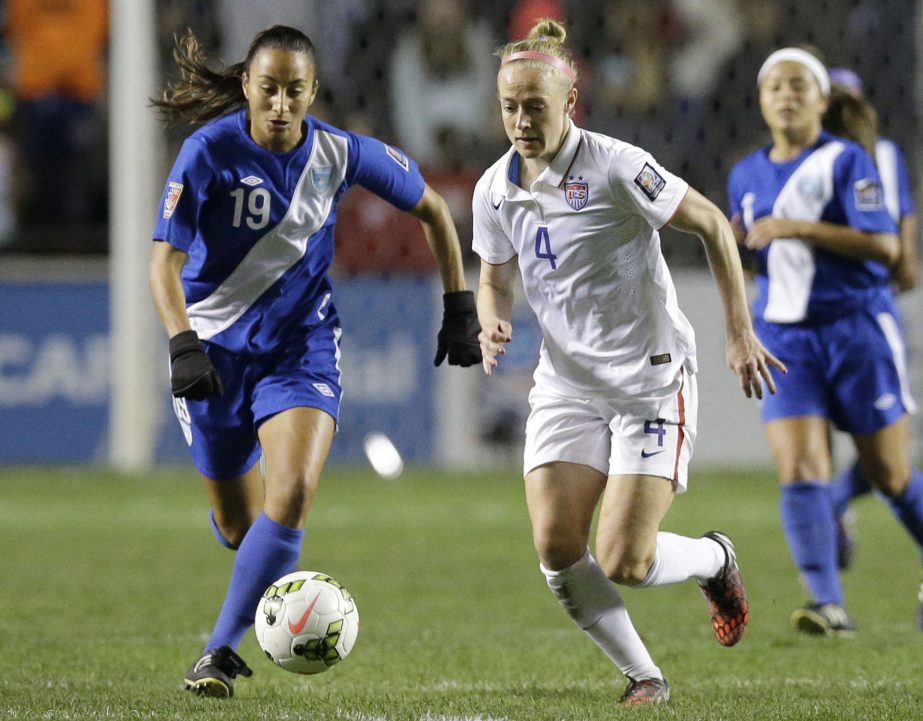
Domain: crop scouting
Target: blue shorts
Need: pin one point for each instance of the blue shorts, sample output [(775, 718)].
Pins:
[(852, 370), (222, 432)]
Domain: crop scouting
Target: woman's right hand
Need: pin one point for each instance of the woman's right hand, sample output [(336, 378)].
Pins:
[(492, 340)]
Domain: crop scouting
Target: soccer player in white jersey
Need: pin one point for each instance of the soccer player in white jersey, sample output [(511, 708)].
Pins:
[(239, 278), (810, 206), (613, 408)]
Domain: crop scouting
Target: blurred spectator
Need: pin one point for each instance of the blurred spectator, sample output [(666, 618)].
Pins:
[(735, 127), (58, 51), (627, 43), (443, 87)]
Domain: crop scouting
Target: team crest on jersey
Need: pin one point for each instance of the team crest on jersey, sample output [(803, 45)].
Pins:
[(321, 178), (576, 192), (398, 157), (174, 190), (650, 181), (868, 194), (810, 187)]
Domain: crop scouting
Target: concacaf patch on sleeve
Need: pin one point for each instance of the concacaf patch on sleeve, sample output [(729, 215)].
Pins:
[(868, 194), (174, 190), (398, 157), (650, 181)]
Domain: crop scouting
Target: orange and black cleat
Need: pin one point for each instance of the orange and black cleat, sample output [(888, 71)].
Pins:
[(727, 597)]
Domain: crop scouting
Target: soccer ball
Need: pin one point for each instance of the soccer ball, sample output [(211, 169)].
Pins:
[(306, 622)]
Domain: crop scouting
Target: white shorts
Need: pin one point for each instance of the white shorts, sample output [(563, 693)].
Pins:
[(612, 437)]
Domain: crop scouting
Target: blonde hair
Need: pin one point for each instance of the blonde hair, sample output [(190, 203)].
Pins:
[(546, 37)]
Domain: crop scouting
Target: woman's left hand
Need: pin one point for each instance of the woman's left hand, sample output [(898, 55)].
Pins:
[(767, 229), (750, 360)]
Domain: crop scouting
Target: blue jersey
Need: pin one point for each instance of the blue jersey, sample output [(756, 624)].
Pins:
[(258, 225), (833, 181), (894, 179)]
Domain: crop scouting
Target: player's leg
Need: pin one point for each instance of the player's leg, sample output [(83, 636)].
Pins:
[(566, 455), (295, 444), (884, 457), (799, 446), (847, 485), (235, 505), (561, 498), (873, 394)]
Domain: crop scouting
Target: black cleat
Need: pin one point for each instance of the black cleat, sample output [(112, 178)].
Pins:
[(214, 672), (827, 620), (726, 595), (646, 691)]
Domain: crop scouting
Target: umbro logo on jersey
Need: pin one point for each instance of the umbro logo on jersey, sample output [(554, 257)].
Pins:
[(398, 157), (324, 390), (650, 181), (251, 180)]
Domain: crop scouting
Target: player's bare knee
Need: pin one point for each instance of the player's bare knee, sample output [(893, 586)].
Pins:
[(803, 468), (625, 568), (888, 476), (558, 551)]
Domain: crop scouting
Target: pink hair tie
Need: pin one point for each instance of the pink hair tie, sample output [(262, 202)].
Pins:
[(543, 58)]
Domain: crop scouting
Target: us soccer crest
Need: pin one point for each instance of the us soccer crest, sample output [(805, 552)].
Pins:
[(576, 192)]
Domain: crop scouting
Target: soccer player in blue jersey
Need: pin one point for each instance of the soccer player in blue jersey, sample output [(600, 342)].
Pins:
[(850, 115), (239, 277), (810, 206)]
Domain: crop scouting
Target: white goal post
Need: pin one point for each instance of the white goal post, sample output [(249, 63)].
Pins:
[(137, 350)]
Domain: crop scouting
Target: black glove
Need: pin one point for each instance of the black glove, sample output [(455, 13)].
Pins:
[(192, 374), (458, 337)]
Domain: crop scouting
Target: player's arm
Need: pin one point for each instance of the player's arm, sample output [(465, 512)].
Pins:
[(192, 374), (906, 270), (495, 309), (745, 355), (843, 239), (458, 337)]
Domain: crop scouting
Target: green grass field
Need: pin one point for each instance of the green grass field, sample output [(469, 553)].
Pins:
[(109, 586)]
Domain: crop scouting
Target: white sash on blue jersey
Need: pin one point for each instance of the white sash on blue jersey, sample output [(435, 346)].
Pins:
[(886, 160), (283, 246), (790, 261)]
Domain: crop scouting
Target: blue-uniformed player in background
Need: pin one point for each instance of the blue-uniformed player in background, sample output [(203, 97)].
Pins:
[(239, 277), (850, 115), (811, 206)]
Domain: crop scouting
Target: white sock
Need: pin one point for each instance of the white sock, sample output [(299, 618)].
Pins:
[(594, 603), (678, 558)]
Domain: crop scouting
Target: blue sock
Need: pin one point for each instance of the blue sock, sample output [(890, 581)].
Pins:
[(845, 486), (808, 523), (219, 535), (909, 506), (268, 552)]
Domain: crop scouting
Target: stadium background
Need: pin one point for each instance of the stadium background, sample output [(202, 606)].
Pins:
[(674, 76)]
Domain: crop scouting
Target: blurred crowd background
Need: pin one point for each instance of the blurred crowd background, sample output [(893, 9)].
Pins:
[(676, 77)]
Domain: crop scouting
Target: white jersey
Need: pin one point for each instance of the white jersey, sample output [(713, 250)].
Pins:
[(589, 253)]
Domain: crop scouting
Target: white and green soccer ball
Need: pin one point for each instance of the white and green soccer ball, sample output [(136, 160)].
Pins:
[(306, 622)]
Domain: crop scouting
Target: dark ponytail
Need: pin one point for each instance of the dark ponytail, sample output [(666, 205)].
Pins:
[(203, 94)]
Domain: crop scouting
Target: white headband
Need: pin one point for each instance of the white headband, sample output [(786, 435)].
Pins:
[(797, 55)]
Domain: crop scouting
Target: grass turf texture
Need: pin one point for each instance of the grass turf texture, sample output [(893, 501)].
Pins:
[(109, 586)]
